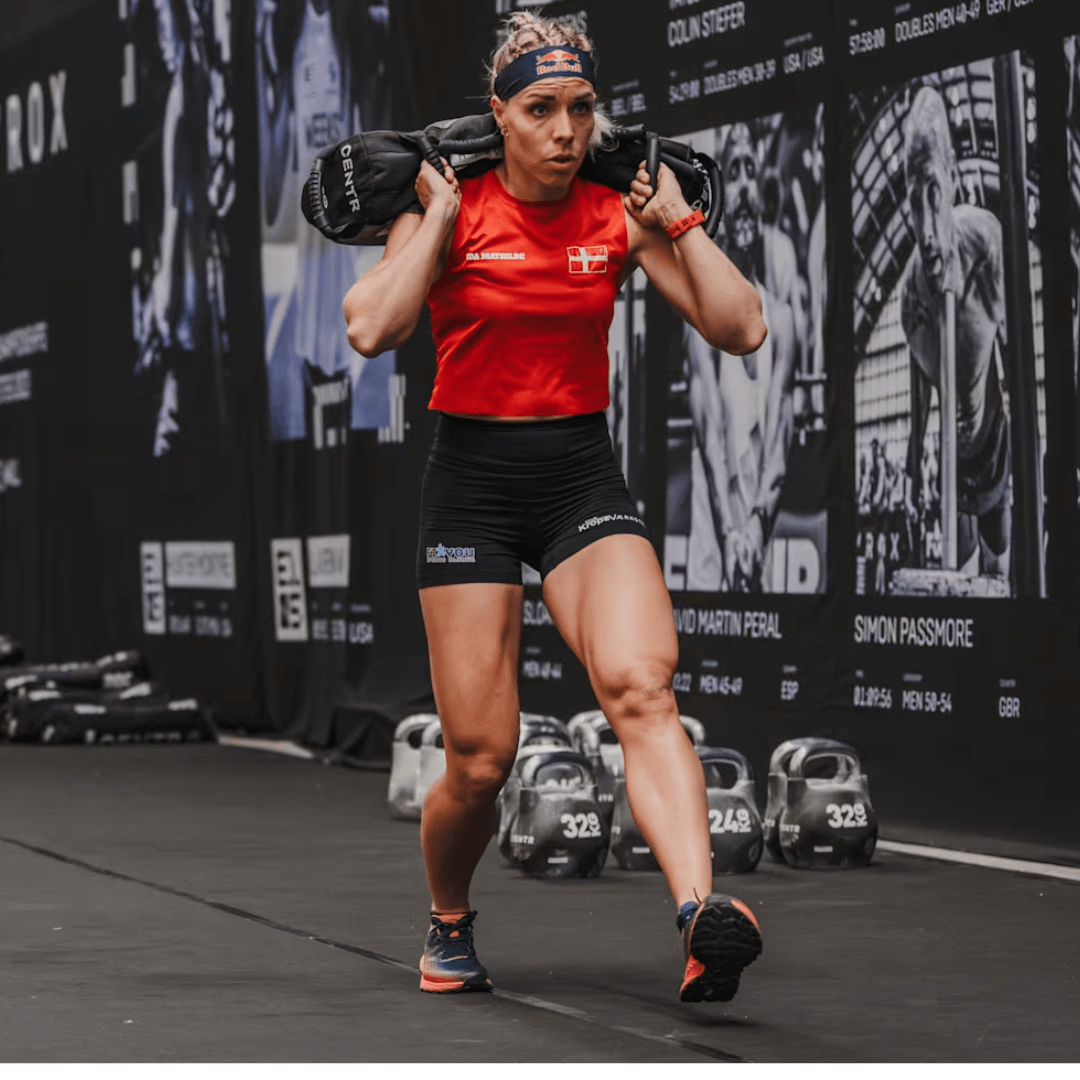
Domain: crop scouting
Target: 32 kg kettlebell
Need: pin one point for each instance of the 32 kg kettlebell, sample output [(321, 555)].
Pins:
[(819, 812)]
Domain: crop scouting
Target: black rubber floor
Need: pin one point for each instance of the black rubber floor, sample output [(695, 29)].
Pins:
[(213, 904)]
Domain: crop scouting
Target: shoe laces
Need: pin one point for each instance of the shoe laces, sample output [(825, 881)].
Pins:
[(460, 932)]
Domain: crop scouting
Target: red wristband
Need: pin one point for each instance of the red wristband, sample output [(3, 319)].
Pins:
[(683, 225)]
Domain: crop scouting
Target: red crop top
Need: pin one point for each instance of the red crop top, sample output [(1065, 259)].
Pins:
[(522, 310)]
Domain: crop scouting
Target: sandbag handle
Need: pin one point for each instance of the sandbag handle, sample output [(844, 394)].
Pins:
[(652, 159), (313, 199), (716, 185), (430, 152)]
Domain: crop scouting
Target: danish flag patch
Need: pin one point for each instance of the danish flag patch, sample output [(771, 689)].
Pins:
[(588, 260)]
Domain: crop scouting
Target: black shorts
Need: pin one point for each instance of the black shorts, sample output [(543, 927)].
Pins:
[(498, 493)]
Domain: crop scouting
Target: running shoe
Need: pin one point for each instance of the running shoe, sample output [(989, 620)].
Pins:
[(449, 964), (720, 938)]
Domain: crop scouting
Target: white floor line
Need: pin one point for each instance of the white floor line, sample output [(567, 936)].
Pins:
[(274, 746), (992, 862)]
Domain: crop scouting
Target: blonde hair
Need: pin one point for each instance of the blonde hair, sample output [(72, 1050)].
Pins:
[(525, 30)]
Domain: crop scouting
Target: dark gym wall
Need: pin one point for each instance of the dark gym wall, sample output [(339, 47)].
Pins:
[(192, 461)]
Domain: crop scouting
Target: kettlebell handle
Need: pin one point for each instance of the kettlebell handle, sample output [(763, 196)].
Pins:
[(805, 753), (730, 757)]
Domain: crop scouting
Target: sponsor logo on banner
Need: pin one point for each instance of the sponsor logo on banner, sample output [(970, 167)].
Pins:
[(290, 600), (200, 564), (588, 260), (331, 406), (328, 561), (395, 433), (24, 341), (15, 386), (442, 554), (10, 477), (26, 133), (152, 557)]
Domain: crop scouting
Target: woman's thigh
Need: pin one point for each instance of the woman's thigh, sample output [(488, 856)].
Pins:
[(610, 603), (474, 632)]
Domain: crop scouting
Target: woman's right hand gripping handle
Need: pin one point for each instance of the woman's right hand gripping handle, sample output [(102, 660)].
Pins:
[(384, 306)]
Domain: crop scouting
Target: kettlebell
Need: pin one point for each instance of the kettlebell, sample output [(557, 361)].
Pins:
[(735, 831), (405, 766), (590, 716), (506, 803), (535, 729), (819, 812), (585, 729), (432, 760), (555, 828)]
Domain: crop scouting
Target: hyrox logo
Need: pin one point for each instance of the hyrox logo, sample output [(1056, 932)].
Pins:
[(24, 121)]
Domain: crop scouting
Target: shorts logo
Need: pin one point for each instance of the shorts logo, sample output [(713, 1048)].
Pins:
[(588, 260), (604, 519), (444, 554)]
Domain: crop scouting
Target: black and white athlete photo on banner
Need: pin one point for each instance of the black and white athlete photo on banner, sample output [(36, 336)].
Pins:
[(950, 411), (321, 77), (739, 426), (178, 191), (1072, 150), (626, 380)]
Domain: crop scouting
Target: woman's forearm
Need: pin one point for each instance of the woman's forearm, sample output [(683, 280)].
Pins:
[(728, 306)]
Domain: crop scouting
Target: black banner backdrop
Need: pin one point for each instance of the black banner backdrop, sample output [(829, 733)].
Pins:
[(869, 527), (128, 439)]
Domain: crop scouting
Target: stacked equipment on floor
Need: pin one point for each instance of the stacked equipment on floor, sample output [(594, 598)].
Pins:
[(110, 700)]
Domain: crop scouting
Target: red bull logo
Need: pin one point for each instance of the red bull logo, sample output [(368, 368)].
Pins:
[(558, 62)]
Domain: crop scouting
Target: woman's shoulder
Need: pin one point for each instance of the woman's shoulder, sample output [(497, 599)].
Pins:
[(473, 185), (596, 192)]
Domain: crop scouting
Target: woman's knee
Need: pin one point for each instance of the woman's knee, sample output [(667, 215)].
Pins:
[(636, 692), (478, 776)]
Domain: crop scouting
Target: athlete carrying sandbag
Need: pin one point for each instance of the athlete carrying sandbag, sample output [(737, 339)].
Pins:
[(520, 267)]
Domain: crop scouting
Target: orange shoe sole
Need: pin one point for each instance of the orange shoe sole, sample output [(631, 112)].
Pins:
[(432, 985), (724, 939)]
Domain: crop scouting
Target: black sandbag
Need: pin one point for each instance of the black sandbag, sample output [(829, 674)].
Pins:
[(357, 188), (123, 722), (78, 675), (116, 671), (127, 661), (29, 710)]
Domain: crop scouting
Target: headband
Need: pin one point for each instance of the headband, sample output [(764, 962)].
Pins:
[(547, 62)]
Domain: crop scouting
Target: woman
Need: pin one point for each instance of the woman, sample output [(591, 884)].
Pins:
[(520, 268)]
